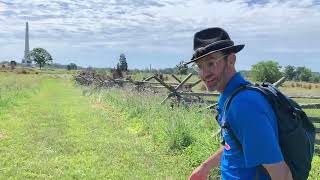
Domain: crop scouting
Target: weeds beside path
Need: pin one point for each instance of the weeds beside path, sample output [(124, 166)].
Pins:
[(58, 133)]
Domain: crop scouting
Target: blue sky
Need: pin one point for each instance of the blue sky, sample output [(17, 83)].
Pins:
[(160, 32)]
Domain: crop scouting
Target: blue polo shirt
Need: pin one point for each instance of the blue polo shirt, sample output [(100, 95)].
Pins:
[(253, 122)]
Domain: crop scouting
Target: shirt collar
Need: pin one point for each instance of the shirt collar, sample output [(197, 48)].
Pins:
[(235, 82)]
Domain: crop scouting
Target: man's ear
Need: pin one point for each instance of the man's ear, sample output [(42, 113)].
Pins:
[(231, 59)]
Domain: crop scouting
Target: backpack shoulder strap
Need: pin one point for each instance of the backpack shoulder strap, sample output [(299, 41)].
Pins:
[(254, 87), (227, 103)]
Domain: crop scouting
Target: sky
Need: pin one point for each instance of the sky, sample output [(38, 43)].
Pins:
[(160, 32)]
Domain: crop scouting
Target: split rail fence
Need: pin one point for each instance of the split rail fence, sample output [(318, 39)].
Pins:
[(181, 91)]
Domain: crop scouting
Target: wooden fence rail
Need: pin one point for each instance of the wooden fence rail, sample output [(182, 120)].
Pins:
[(173, 92), (310, 106), (305, 97), (315, 119)]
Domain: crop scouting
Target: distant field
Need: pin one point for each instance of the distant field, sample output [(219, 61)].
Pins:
[(53, 129), (48, 71)]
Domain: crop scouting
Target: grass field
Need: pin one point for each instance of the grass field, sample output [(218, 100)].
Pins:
[(56, 132), (52, 129)]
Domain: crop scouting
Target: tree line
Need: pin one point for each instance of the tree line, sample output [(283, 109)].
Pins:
[(264, 71), (271, 71), (268, 71)]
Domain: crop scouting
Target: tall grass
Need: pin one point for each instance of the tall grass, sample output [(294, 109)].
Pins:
[(178, 131), (13, 87)]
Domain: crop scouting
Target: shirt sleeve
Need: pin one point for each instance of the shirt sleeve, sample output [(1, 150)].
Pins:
[(254, 124)]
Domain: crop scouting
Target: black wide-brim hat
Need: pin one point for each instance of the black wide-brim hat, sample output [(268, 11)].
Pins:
[(212, 40)]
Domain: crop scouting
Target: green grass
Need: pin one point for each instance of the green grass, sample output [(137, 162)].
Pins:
[(58, 133), (171, 127), (52, 129), (145, 116), (143, 112), (14, 87)]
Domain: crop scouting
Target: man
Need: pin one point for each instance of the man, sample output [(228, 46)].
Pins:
[(249, 115)]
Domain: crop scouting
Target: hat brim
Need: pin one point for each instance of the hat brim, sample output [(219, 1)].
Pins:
[(233, 49)]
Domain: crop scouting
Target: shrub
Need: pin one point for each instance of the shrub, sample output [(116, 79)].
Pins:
[(292, 85), (298, 84), (178, 135), (309, 86)]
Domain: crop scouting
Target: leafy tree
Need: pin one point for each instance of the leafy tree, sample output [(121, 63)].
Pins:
[(40, 56), (167, 71), (290, 72), (122, 65), (182, 68), (246, 73), (72, 66), (268, 71), (315, 78), (303, 74), (13, 64)]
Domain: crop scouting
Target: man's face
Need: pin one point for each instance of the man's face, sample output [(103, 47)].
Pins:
[(211, 70)]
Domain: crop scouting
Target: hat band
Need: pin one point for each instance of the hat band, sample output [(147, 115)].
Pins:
[(212, 47)]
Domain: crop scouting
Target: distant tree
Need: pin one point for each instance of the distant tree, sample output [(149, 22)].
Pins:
[(72, 66), (167, 70), (182, 68), (13, 64), (122, 65), (116, 73), (303, 74), (268, 71), (90, 68), (290, 72), (245, 73), (40, 56), (315, 78), (58, 66)]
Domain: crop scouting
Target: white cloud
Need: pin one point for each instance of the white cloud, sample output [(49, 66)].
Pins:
[(163, 26)]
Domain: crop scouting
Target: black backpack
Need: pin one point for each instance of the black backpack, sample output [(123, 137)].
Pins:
[(296, 131)]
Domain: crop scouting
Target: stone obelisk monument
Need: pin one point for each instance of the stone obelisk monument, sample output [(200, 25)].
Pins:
[(26, 60)]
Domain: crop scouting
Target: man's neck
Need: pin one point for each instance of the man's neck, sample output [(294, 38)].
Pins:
[(226, 81)]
